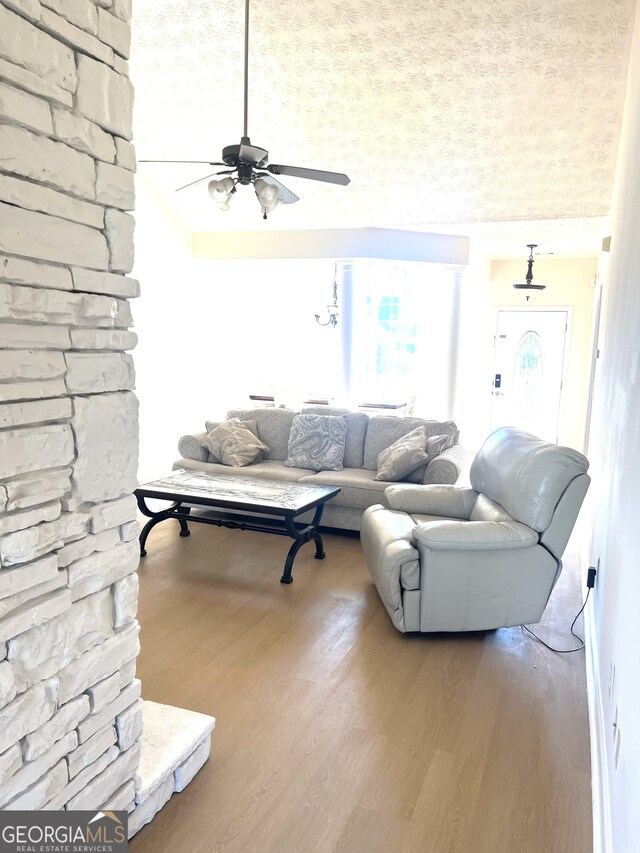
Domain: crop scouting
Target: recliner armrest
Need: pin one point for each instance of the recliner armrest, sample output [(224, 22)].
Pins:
[(450, 501), (474, 535)]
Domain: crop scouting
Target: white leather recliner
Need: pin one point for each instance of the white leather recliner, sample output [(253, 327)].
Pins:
[(445, 558)]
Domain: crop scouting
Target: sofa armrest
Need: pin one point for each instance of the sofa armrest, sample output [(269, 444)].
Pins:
[(474, 535), (190, 447), (450, 501), (448, 466)]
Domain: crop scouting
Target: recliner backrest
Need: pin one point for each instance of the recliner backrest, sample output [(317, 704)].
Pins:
[(525, 475)]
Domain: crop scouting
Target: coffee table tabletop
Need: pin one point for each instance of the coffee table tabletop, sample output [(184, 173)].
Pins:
[(232, 491), (229, 501)]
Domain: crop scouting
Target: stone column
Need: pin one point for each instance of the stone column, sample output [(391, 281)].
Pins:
[(70, 710)]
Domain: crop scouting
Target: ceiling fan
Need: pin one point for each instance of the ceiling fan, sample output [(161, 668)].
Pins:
[(249, 164)]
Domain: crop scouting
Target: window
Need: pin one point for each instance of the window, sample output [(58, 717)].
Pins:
[(388, 299), (528, 373)]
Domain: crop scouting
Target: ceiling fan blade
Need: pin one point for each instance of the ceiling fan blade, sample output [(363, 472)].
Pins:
[(212, 175), (253, 154), (311, 174), (203, 162), (286, 196)]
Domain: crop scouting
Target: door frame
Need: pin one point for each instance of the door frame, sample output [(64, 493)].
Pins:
[(565, 354)]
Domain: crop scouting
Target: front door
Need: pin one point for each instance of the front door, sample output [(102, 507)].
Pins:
[(529, 363)]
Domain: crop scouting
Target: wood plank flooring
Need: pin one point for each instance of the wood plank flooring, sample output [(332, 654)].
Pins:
[(337, 734)]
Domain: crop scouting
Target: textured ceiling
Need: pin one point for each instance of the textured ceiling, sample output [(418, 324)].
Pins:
[(440, 111)]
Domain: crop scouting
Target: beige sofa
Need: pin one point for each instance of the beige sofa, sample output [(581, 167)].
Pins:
[(366, 437)]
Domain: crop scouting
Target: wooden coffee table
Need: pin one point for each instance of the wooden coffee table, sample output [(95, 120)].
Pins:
[(238, 502)]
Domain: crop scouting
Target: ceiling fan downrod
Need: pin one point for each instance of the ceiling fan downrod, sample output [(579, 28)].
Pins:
[(246, 72)]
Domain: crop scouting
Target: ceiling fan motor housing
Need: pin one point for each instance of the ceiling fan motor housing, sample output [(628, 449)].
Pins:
[(231, 156)]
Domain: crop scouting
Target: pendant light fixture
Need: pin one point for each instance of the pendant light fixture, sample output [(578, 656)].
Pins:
[(529, 285), (332, 307)]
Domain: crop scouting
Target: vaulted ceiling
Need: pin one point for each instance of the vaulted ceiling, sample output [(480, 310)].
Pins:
[(442, 112)]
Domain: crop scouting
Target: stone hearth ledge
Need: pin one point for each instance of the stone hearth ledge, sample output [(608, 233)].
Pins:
[(174, 745)]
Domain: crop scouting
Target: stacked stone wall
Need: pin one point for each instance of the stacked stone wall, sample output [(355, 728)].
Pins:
[(70, 710)]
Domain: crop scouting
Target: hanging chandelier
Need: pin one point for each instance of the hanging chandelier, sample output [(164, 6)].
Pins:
[(332, 307), (528, 283)]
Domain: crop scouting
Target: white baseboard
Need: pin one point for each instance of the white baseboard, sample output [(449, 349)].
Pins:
[(601, 804)]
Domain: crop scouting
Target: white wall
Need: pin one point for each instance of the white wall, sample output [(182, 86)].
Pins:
[(472, 400), (615, 456), (213, 331), (165, 321)]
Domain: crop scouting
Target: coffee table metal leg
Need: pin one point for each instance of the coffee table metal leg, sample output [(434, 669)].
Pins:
[(184, 530), (156, 518), (306, 534), (288, 563), (319, 555)]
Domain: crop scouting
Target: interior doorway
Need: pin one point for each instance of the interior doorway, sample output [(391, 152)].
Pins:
[(530, 347)]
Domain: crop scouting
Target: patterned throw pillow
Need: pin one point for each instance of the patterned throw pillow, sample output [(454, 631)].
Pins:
[(233, 444), (317, 442), (403, 456)]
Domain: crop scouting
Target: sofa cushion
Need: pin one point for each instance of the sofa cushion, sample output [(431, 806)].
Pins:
[(317, 442), (358, 487), (266, 469), (233, 444), (383, 430), (357, 423), (274, 426), (419, 518), (403, 456)]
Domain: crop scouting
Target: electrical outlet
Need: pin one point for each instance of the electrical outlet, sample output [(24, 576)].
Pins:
[(612, 678)]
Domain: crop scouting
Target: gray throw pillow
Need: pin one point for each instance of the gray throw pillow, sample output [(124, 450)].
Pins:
[(233, 444), (437, 443), (317, 442), (403, 456)]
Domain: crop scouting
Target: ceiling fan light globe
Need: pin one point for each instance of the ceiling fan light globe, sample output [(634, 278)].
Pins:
[(220, 192), (267, 194)]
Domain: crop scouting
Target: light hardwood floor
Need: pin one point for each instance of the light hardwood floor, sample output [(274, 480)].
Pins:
[(335, 733)]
